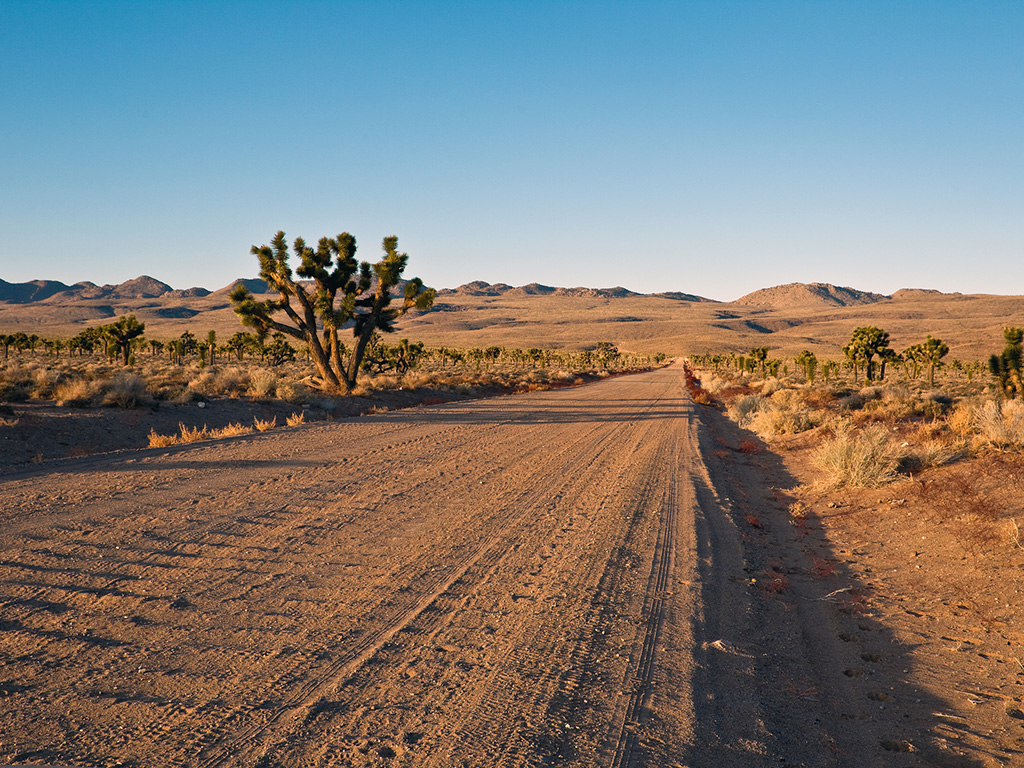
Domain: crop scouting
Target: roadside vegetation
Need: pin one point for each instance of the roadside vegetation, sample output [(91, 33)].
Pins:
[(877, 417), (89, 371)]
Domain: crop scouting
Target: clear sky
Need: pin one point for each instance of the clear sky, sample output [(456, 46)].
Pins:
[(709, 147)]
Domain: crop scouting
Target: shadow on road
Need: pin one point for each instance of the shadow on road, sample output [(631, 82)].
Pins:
[(833, 684)]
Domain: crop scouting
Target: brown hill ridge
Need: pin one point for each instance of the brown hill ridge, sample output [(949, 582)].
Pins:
[(56, 292), (809, 295), (481, 288)]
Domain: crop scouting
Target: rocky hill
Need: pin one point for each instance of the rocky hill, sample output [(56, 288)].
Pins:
[(809, 295)]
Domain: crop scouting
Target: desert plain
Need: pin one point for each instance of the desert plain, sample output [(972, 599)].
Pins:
[(609, 574)]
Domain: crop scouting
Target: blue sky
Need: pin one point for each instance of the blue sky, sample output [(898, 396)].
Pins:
[(708, 147)]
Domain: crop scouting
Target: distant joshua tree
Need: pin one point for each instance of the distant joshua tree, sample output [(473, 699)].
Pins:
[(808, 363), (1006, 367), (342, 291), (865, 343), (121, 334)]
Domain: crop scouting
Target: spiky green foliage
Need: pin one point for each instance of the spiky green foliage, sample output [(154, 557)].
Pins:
[(808, 363), (759, 356), (122, 332), (335, 290), (866, 343), (1006, 367)]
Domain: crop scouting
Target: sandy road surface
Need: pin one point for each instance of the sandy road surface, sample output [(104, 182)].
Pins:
[(528, 580)]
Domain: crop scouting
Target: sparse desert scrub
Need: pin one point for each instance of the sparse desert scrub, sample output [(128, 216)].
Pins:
[(262, 384), (227, 382), (744, 408), (75, 392), (863, 458), (265, 425), (999, 424), (124, 390), (195, 434)]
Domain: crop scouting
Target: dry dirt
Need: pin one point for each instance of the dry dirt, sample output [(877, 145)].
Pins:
[(596, 576)]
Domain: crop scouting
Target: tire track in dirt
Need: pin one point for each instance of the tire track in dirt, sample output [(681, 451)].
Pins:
[(455, 590), (623, 744)]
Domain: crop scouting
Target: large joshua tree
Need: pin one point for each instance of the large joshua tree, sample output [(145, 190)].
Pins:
[(335, 290)]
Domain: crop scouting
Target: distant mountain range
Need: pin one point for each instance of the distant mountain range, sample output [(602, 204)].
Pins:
[(145, 287)]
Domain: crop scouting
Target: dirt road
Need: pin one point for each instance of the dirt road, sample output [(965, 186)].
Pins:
[(544, 579)]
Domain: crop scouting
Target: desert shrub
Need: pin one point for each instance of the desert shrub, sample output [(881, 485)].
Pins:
[(1000, 424), (935, 404), (782, 421), (233, 382), (296, 418), (204, 384), (962, 420), (293, 392), (75, 393), (13, 392), (419, 379), (932, 453), (788, 398), (771, 386), (850, 402), (124, 390), (262, 384), (744, 408), (44, 382), (864, 458), (265, 425), (230, 382), (871, 393), (16, 384)]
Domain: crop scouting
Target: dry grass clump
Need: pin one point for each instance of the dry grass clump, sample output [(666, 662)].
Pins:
[(295, 419), (784, 413), (745, 407), (195, 434), (784, 421), (15, 385), (859, 458), (999, 424), (262, 384), (228, 382), (1011, 534), (124, 390), (74, 393), (264, 425), (293, 393), (771, 386)]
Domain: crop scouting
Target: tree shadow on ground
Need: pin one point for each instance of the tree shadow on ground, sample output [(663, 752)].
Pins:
[(826, 680)]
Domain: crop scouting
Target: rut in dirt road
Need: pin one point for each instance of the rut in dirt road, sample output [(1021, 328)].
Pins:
[(506, 582)]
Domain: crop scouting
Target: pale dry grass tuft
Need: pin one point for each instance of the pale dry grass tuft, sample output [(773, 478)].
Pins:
[(1000, 424), (161, 441), (195, 434), (125, 390), (859, 459), (262, 384), (743, 410), (231, 430), (295, 419), (74, 393), (263, 425)]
